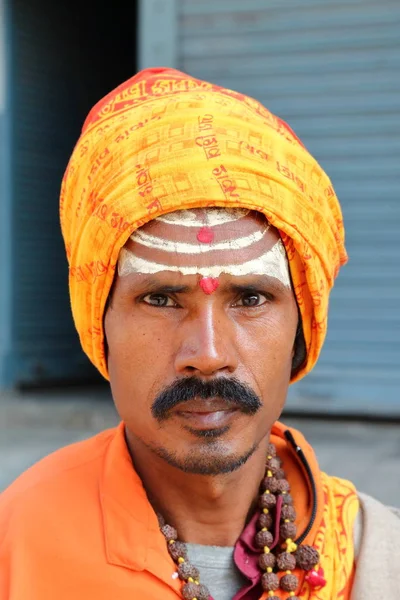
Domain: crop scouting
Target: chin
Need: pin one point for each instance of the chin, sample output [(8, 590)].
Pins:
[(211, 458)]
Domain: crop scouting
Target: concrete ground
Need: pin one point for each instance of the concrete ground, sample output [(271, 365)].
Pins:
[(36, 423)]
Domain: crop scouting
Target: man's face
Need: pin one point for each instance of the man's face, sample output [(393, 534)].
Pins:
[(199, 366)]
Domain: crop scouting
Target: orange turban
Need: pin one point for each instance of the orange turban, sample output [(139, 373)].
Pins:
[(164, 141)]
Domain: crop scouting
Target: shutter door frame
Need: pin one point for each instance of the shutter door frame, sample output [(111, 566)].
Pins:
[(6, 255)]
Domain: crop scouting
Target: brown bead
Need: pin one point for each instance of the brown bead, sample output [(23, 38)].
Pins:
[(177, 550), (273, 464), (306, 557), (286, 561), (266, 560), (288, 512), (288, 530), (289, 583), (267, 501), (282, 485), (264, 521), (186, 570), (189, 591), (169, 532), (270, 582), (264, 538), (193, 590), (203, 592), (271, 450), (271, 484), (279, 474), (286, 498)]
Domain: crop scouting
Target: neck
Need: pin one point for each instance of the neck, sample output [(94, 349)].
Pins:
[(209, 510)]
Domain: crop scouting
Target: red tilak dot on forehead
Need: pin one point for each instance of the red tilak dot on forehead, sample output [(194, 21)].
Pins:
[(209, 284), (205, 235)]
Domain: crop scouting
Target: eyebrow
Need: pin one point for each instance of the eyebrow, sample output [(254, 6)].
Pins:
[(255, 285), (151, 285), (262, 282)]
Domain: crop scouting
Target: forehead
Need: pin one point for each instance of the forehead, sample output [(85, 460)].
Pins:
[(206, 230), (203, 237), (207, 242)]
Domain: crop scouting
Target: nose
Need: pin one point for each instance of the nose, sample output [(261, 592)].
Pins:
[(206, 344)]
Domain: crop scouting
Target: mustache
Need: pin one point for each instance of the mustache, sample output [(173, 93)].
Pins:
[(231, 390)]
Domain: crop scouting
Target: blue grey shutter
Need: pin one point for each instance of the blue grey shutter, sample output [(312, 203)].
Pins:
[(45, 344), (64, 57), (331, 70)]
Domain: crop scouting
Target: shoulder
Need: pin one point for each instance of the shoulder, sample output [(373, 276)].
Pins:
[(374, 512), (377, 550), (56, 478)]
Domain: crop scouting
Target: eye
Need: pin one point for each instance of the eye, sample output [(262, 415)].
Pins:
[(161, 300), (252, 299)]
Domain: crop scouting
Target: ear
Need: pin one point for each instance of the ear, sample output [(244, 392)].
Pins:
[(299, 352), (108, 307)]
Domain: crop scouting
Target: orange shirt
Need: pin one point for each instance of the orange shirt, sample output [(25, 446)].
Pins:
[(78, 525)]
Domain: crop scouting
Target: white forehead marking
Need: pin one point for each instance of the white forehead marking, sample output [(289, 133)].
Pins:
[(212, 216), (156, 243), (272, 263)]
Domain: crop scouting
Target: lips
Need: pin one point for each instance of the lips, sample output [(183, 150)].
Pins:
[(206, 414)]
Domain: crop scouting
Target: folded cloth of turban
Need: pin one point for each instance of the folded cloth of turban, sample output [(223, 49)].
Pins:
[(164, 141)]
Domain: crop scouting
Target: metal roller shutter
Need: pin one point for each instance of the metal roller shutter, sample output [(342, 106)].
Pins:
[(65, 56), (331, 70)]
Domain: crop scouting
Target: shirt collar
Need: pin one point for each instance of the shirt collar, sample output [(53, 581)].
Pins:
[(132, 536)]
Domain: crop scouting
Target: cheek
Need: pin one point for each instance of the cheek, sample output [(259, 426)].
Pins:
[(129, 341), (266, 351), (137, 359), (270, 338)]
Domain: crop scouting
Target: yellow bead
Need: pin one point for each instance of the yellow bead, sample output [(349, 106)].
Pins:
[(271, 593), (269, 473), (181, 560), (197, 582), (266, 550), (171, 542), (286, 521), (284, 492), (288, 572), (269, 457), (264, 529), (191, 579), (269, 569), (290, 545), (267, 492), (291, 594), (265, 511)]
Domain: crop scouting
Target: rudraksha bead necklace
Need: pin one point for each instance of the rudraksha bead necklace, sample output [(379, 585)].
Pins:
[(279, 553)]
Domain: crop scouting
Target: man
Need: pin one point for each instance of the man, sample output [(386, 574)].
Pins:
[(203, 241)]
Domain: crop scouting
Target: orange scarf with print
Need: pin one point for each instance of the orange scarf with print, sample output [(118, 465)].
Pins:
[(164, 141)]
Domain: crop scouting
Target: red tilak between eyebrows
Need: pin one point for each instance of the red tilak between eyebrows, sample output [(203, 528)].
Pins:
[(209, 284)]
